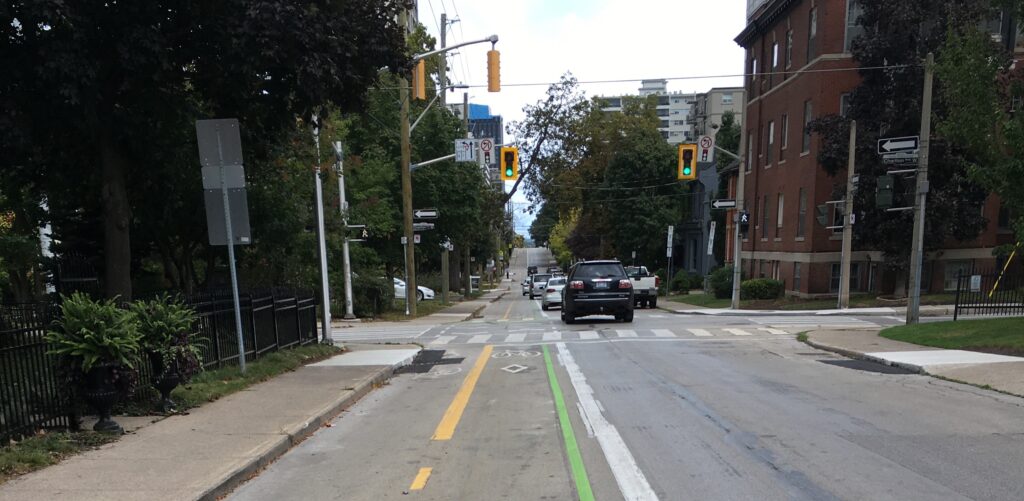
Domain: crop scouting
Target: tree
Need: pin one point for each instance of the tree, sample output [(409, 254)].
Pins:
[(890, 100), (727, 138), (96, 81), (546, 219)]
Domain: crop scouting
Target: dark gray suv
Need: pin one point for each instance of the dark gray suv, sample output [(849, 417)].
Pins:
[(597, 288)]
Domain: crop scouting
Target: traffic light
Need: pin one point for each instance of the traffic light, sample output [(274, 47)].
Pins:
[(509, 163), (419, 81), (744, 222), (687, 162), (883, 193), (493, 71)]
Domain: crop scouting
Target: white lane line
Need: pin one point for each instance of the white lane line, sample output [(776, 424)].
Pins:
[(479, 339), (515, 338), (737, 332), (631, 480), (541, 310), (552, 336), (664, 333), (699, 332), (626, 333), (586, 335), (656, 316), (442, 340), (527, 319)]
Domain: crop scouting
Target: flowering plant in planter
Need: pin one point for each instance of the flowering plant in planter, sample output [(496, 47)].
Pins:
[(166, 328)]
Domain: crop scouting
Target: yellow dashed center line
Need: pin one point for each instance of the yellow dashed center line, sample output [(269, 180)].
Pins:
[(420, 481), (508, 311), (446, 428)]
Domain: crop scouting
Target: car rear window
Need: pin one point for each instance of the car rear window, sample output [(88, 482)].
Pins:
[(598, 271), (540, 278), (557, 281)]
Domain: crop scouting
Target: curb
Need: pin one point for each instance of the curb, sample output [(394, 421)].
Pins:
[(863, 356), (294, 437), (788, 313)]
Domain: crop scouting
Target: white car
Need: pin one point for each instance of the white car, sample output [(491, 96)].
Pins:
[(422, 292), (537, 283), (552, 293), (526, 286)]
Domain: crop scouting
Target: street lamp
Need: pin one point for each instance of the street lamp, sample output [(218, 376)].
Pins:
[(339, 168)]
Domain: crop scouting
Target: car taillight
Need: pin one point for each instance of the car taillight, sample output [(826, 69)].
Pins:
[(550, 290), (625, 284), (576, 284), (657, 281)]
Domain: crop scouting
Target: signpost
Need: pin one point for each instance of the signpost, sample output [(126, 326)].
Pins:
[(486, 150), (723, 203), (220, 148), (706, 149), (465, 150), (905, 144)]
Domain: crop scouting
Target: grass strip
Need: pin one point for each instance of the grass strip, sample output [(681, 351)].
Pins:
[(45, 449), (572, 449), (991, 335)]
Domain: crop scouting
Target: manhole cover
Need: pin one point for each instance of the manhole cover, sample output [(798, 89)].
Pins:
[(515, 368)]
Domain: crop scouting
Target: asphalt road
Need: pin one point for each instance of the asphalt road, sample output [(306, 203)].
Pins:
[(667, 407)]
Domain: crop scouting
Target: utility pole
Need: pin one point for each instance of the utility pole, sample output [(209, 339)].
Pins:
[(343, 208), (844, 276), (467, 281), (442, 71), (322, 238), (410, 249), (921, 192), (737, 272)]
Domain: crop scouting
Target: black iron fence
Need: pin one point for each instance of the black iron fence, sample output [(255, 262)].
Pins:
[(34, 396), (991, 294)]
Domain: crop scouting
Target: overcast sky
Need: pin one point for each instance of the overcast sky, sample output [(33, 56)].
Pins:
[(632, 40)]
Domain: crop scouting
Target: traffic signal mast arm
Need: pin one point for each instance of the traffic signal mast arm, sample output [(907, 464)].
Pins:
[(493, 39)]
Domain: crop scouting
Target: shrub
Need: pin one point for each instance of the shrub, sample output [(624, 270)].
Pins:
[(91, 333), (761, 288), (165, 325), (721, 282), (685, 281), (370, 295)]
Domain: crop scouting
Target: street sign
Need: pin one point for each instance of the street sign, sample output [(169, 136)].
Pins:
[(723, 203), (465, 150), (405, 241), (219, 142), (706, 149), (416, 238), (486, 151), (487, 144), (899, 158), (668, 242), (711, 238), (422, 226), (898, 144), (425, 213), (216, 227)]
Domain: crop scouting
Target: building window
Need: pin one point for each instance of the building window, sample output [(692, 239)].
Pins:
[(727, 98), (853, 27), (750, 150), (784, 137), (771, 143), (1003, 221), (953, 271), (753, 71), (801, 220), (764, 218), (789, 49), (844, 104), (812, 33), (775, 55), (778, 217), (806, 146), (835, 278), (796, 276)]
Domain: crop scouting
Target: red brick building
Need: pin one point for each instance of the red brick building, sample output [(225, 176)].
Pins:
[(787, 42)]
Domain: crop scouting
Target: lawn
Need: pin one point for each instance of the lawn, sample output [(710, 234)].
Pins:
[(994, 335), (423, 308), (792, 303), (705, 300), (45, 449)]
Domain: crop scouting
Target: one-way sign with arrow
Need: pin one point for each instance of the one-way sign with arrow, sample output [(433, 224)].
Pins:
[(425, 213), (723, 203), (898, 144)]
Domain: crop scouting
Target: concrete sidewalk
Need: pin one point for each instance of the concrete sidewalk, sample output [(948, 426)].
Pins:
[(214, 448), (999, 372), (898, 311)]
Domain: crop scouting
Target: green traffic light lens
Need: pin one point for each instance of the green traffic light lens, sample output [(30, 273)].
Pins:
[(508, 172), (686, 171)]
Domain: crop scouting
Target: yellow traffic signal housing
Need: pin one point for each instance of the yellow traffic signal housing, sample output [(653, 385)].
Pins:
[(419, 81), (509, 163), (687, 170), (493, 71)]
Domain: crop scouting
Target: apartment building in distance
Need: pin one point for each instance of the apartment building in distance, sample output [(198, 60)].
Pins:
[(673, 110), (787, 42), (708, 107)]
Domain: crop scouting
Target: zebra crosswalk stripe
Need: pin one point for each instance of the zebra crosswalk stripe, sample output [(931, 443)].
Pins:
[(515, 338), (552, 336), (737, 332), (442, 340), (700, 332), (663, 333), (626, 333), (770, 330), (587, 335), (479, 339)]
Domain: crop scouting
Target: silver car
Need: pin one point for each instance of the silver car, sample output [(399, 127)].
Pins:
[(552, 293), (537, 283)]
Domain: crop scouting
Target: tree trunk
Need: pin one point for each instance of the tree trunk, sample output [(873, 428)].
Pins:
[(117, 250)]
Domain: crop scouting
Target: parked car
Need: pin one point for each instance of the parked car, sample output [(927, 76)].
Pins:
[(537, 283), (597, 288), (526, 286), (422, 292), (552, 293), (645, 287)]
